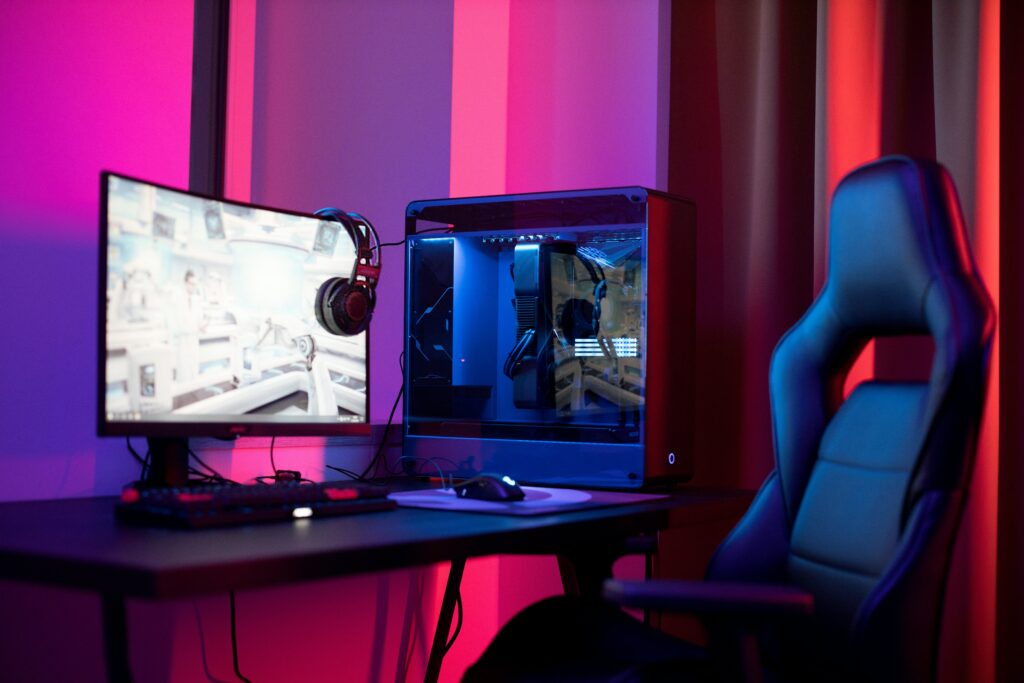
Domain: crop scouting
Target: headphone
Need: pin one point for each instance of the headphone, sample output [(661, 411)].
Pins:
[(580, 318), (344, 305)]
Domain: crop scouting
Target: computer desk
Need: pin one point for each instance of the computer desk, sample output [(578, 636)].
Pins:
[(77, 543)]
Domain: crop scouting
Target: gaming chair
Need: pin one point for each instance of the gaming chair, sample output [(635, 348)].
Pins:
[(839, 566)]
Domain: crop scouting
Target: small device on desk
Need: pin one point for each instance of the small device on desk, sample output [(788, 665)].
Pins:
[(215, 505), (491, 487)]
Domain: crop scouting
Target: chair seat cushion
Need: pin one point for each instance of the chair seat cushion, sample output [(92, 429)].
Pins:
[(572, 639)]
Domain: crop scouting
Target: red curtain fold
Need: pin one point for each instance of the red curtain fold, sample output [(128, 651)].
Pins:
[(741, 144), (772, 102), (1010, 208)]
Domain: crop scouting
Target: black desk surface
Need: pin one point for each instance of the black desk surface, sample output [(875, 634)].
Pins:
[(78, 543)]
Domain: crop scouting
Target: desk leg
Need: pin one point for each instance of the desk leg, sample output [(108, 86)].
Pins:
[(584, 574), (444, 621), (567, 572), (115, 638)]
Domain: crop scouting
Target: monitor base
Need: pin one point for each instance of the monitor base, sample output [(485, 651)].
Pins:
[(168, 462)]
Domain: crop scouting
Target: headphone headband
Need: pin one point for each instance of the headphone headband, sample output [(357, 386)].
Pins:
[(591, 269), (364, 237), (345, 306)]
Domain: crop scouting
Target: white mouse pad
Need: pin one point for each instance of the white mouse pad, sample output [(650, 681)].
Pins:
[(538, 500)]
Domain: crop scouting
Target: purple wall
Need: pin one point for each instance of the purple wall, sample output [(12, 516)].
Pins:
[(584, 104), (85, 86), (352, 108)]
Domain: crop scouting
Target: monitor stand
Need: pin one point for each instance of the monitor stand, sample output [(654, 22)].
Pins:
[(168, 461)]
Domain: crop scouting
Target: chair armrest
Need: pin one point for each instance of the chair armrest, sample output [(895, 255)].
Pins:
[(711, 598), (640, 545)]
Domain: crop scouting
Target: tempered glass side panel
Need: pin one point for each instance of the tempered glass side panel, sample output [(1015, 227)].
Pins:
[(429, 311), (528, 335)]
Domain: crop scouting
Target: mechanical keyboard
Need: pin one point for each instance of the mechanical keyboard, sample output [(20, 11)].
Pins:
[(212, 505)]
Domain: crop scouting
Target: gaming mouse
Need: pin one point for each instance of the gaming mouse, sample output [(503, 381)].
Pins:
[(493, 487)]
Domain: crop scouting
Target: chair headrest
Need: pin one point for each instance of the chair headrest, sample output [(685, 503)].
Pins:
[(899, 264), (895, 230)]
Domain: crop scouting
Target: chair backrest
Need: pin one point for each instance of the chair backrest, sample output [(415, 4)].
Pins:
[(864, 502)]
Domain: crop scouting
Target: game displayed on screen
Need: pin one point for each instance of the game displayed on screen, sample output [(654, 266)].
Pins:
[(209, 313)]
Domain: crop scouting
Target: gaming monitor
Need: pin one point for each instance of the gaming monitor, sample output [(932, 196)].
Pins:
[(206, 319)]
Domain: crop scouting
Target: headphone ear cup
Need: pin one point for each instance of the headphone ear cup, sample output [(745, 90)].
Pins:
[(351, 307), (344, 306), (576, 320), (600, 291), (322, 305)]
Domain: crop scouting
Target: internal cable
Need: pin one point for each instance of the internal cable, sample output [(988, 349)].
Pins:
[(281, 475), (384, 440), (446, 482), (214, 474), (210, 475), (202, 645), (143, 462), (347, 472), (273, 465), (372, 466), (458, 624), (202, 477), (234, 640), (446, 228)]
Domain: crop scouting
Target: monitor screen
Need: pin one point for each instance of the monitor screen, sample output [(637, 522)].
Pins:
[(207, 325)]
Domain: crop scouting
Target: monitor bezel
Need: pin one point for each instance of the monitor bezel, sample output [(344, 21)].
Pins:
[(196, 428)]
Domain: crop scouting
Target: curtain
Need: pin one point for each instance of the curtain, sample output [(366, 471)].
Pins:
[(1010, 208), (772, 103)]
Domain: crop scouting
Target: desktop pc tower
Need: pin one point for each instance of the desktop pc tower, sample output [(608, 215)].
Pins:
[(550, 337)]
